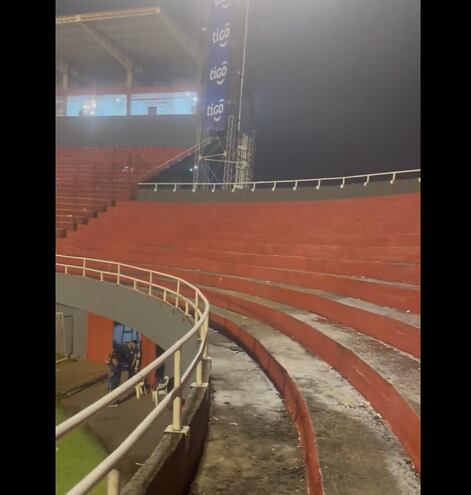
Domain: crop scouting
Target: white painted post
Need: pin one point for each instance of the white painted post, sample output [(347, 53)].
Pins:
[(196, 308), (118, 275), (205, 333), (83, 267), (199, 373), (177, 402), (178, 292), (113, 483), (150, 284)]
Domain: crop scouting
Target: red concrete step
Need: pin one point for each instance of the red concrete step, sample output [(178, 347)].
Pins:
[(400, 335), (76, 219), (389, 403), (386, 253), (71, 213), (385, 294), (65, 225), (403, 272)]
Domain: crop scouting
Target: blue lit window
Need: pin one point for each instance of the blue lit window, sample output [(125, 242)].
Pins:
[(181, 103), (96, 105)]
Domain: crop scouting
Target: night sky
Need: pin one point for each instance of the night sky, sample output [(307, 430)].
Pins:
[(336, 82)]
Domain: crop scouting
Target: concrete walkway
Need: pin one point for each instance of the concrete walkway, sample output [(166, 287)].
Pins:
[(252, 445), (358, 453), (113, 424)]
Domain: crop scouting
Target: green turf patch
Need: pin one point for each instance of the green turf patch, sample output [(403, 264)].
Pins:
[(77, 453)]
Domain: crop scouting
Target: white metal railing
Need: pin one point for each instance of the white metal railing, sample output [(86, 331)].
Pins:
[(293, 183), (173, 291), (180, 156)]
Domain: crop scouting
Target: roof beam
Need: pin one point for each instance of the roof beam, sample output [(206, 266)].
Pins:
[(187, 43), (115, 51), (102, 16)]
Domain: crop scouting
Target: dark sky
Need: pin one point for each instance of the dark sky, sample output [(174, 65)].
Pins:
[(337, 84), (338, 87)]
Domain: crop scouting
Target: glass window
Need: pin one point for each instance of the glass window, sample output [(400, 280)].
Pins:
[(179, 103), (98, 105), (123, 334)]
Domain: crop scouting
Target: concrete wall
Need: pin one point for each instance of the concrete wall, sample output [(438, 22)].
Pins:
[(172, 466), (133, 131), (154, 319), (285, 194), (78, 320)]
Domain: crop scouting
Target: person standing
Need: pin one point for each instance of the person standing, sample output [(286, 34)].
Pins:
[(114, 375), (134, 358)]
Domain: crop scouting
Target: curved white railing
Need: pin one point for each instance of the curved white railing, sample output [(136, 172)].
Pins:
[(171, 290), (294, 183)]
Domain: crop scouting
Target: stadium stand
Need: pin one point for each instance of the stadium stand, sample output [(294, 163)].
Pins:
[(334, 283)]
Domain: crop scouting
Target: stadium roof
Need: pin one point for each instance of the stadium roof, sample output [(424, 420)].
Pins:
[(145, 42)]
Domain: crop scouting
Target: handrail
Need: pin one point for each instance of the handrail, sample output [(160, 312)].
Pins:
[(91, 267), (232, 186), (183, 154)]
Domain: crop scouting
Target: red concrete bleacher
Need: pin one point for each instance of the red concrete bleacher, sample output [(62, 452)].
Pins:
[(352, 263), (89, 180)]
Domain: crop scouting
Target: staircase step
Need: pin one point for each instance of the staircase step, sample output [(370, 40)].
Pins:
[(357, 451)]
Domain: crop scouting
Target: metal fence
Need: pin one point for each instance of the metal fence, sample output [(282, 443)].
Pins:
[(293, 184), (173, 291)]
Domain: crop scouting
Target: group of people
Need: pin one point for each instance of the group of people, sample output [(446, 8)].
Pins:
[(126, 357)]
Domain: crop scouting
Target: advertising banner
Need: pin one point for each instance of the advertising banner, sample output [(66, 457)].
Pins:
[(218, 70)]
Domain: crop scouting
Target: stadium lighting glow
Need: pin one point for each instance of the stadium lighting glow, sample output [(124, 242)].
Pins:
[(191, 169)]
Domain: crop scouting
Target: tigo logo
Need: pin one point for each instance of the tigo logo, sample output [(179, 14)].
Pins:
[(215, 110), (222, 3), (218, 74), (221, 36)]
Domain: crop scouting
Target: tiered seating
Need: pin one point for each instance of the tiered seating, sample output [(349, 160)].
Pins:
[(324, 294), (89, 180)]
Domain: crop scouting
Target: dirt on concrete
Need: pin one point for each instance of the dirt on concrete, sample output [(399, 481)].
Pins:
[(252, 445), (358, 453)]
